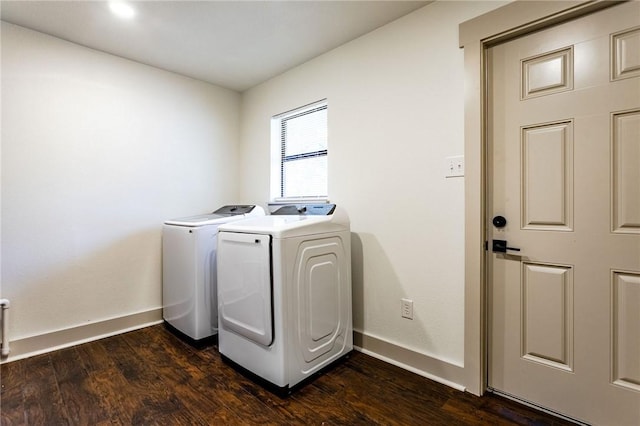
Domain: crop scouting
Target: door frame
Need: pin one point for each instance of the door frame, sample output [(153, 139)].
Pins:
[(475, 37)]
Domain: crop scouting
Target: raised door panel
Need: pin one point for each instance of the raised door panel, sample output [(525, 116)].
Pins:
[(547, 320), (547, 176), (548, 73), (625, 54), (626, 339), (625, 171)]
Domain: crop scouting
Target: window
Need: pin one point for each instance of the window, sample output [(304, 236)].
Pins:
[(300, 149)]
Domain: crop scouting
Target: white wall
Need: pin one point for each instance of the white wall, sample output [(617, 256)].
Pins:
[(96, 152), (396, 110)]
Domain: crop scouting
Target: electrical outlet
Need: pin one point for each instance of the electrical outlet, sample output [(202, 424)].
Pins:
[(407, 308), (454, 166)]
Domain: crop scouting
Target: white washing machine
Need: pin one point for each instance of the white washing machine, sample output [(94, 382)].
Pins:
[(284, 292), (189, 295)]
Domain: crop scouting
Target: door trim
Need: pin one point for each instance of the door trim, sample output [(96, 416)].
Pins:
[(476, 36)]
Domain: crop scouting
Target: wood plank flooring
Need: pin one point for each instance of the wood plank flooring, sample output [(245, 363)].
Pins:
[(150, 377)]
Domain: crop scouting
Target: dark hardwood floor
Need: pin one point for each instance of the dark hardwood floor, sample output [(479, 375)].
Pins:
[(150, 377)]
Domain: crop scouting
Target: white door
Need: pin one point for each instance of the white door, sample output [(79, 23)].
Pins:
[(564, 161)]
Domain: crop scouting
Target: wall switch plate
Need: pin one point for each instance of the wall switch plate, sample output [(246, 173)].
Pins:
[(454, 166), (407, 308)]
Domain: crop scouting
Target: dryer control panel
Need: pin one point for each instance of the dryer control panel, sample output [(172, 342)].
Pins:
[(323, 209)]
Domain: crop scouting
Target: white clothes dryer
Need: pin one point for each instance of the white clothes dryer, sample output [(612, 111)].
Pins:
[(189, 294), (284, 293)]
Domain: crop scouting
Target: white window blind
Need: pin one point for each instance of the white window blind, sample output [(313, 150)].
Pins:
[(303, 159)]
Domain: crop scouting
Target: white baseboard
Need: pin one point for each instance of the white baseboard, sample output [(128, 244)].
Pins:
[(48, 342), (418, 363), (421, 364)]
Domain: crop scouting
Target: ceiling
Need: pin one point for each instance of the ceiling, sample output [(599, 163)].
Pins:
[(233, 44)]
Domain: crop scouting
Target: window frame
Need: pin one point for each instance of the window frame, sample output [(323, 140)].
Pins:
[(279, 159)]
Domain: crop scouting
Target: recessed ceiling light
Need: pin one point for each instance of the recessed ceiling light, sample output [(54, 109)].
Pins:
[(121, 9)]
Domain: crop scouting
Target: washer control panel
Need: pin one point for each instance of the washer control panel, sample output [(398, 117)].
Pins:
[(234, 210)]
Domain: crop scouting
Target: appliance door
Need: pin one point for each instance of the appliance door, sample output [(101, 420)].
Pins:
[(244, 285)]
